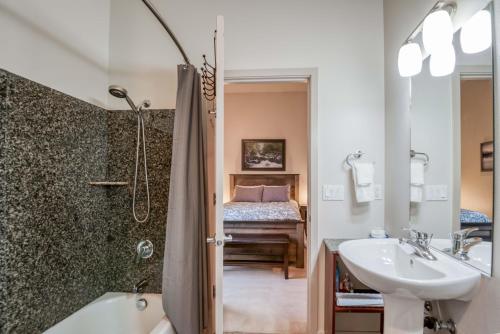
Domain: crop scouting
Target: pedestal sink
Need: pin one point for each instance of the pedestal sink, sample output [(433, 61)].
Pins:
[(407, 281)]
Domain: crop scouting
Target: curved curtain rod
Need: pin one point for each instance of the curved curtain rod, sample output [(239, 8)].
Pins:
[(170, 32)]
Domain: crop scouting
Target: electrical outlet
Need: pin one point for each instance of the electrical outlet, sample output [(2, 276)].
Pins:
[(436, 192)]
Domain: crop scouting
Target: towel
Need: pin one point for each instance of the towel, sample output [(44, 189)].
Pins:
[(417, 172), (416, 193), (359, 299), (416, 181), (363, 175)]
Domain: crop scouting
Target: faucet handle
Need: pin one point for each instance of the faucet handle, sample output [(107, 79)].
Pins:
[(412, 233), (462, 234)]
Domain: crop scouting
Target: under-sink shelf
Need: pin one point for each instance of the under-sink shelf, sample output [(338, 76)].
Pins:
[(108, 183)]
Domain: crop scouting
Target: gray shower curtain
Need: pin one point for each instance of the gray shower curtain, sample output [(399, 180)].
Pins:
[(185, 272)]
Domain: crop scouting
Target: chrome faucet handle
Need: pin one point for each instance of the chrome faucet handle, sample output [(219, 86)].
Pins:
[(412, 233), (462, 234)]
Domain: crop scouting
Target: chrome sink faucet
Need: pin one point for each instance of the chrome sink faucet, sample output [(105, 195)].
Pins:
[(139, 286), (461, 244), (420, 241)]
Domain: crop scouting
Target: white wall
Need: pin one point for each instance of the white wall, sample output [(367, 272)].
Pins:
[(61, 44), (343, 39), (481, 314)]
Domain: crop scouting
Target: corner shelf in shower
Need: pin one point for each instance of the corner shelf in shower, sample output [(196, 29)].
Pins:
[(108, 183)]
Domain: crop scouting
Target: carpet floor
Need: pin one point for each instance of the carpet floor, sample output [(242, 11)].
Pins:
[(260, 300)]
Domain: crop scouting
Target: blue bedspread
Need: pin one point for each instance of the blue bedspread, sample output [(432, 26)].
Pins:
[(469, 216)]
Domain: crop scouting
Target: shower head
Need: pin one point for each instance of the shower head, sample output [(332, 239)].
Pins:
[(121, 93), (118, 91)]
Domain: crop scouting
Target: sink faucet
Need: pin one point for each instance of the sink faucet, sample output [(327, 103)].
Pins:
[(420, 241), (139, 287), (461, 244)]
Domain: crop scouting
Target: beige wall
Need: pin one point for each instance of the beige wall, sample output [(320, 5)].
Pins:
[(477, 127), (266, 115)]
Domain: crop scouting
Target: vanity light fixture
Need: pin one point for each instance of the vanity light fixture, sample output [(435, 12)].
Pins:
[(476, 35), (437, 31), (437, 37), (410, 59), (443, 61)]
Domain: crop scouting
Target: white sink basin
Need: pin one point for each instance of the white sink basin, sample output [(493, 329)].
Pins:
[(406, 280), (479, 255)]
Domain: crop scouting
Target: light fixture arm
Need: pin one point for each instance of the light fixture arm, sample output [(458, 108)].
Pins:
[(448, 5)]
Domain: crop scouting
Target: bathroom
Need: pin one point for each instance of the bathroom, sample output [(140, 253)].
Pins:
[(69, 149)]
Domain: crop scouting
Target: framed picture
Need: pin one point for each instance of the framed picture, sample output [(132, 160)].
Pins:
[(487, 156), (263, 154)]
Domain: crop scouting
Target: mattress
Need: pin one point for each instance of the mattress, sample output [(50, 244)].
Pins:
[(261, 211), (469, 216)]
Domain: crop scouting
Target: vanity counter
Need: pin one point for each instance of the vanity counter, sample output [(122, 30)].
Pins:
[(332, 245)]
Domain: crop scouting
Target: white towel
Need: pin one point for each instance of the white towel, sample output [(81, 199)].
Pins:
[(417, 172), (416, 193), (359, 299), (417, 169), (363, 176)]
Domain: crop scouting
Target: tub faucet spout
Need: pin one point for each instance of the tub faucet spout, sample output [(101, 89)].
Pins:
[(139, 286)]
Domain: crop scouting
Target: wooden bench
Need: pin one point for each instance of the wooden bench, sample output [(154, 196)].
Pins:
[(251, 244)]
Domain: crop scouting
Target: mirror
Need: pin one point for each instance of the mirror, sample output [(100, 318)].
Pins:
[(452, 140)]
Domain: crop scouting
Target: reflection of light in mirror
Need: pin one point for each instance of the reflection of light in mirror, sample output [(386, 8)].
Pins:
[(442, 63), (476, 33), (410, 60), (437, 31)]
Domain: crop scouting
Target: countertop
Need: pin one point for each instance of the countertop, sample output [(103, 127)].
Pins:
[(332, 245)]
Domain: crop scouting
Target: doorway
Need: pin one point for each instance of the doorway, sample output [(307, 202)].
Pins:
[(257, 297)]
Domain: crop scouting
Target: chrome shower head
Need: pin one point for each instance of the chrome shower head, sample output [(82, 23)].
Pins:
[(121, 93), (118, 91)]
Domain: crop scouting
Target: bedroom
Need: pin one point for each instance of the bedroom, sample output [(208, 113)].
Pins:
[(265, 206)]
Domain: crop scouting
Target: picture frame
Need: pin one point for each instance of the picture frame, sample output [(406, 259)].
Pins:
[(263, 154), (487, 156)]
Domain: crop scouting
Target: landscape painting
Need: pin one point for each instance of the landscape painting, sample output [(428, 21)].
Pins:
[(263, 154)]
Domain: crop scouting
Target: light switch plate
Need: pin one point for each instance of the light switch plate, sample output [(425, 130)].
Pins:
[(379, 193), (333, 192), (436, 192)]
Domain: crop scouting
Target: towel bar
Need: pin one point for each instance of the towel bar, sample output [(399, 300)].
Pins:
[(414, 153)]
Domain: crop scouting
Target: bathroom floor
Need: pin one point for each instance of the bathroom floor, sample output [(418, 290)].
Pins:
[(260, 300)]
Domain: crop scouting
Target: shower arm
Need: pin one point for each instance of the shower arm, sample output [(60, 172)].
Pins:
[(170, 32)]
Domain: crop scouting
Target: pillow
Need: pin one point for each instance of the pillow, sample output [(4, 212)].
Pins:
[(276, 194), (248, 193)]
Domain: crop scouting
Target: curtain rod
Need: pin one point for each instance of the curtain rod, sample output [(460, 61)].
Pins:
[(170, 32)]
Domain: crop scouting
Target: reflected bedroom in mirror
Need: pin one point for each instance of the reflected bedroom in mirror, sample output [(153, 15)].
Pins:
[(452, 146)]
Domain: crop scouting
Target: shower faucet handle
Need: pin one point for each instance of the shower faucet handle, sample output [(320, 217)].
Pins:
[(144, 250)]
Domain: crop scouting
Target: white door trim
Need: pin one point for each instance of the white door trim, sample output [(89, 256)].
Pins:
[(313, 244)]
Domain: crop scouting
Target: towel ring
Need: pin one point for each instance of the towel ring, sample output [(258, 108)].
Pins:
[(351, 157)]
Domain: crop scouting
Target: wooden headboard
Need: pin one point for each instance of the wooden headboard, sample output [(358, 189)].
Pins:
[(268, 180)]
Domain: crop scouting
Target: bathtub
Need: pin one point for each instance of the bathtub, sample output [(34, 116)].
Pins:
[(117, 313)]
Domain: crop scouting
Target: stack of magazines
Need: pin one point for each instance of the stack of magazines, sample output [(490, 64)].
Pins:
[(360, 299)]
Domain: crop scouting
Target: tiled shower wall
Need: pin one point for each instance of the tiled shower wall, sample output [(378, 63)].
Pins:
[(64, 243)]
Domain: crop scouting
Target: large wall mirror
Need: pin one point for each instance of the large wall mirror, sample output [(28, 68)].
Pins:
[(452, 145)]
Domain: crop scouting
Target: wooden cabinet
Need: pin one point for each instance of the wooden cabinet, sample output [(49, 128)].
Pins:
[(331, 309)]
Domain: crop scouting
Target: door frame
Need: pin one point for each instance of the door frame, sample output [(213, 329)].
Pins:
[(462, 72), (313, 244)]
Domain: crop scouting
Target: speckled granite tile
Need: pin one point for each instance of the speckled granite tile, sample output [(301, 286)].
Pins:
[(62, 242), (55, 224), (122, 133)]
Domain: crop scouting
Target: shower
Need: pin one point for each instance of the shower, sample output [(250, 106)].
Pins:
[(121, 93)]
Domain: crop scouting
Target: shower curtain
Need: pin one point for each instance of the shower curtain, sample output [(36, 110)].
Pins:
[(185, 272)]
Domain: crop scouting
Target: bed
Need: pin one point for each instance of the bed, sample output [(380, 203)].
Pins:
[(476, 219), (266, 217)]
